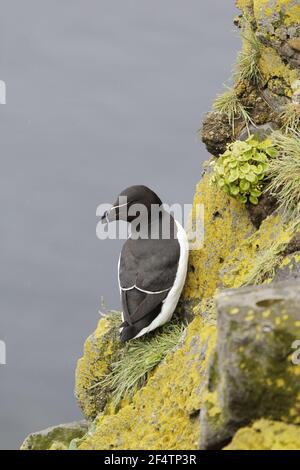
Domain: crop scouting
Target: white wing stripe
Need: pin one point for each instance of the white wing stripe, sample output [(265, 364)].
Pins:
[(145, 291)]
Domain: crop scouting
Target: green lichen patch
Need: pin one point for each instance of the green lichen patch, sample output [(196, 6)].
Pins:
[(55, 438)]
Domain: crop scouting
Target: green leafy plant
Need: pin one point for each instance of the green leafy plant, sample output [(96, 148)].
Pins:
[(284, 174), (247, 67), (228, 103), (137, 359), (241, 169)]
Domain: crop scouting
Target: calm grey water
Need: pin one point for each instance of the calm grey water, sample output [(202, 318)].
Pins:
[(101, 94)]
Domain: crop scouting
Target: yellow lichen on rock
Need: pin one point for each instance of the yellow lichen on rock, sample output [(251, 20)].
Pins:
[(99, 351), (289, 10), (244, 4), (289, 267), (266, 435), (268, 16), (165, 413), (263, 246), (266, 11), (226, 225), (271, 65)]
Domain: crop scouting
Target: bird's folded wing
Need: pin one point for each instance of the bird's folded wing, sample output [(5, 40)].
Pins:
[(152, 267)]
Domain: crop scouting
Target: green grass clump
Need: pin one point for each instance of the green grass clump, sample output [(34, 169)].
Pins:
[(247, 67), (138, 358), (228, 103), (284, 173), (241, 169), (247, 71), (290, 118), (266, 264)]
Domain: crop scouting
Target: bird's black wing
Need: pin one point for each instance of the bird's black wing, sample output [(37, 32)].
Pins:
[(147, 273), (148, 306), (151, 265)]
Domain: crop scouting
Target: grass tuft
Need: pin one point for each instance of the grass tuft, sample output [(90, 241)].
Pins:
[(290, 118), (229, 104), (137, 359), (284, 174), (266, 264), (247, 67), (246, 70)]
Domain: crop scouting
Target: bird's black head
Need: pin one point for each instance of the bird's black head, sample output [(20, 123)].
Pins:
[(130, 203)]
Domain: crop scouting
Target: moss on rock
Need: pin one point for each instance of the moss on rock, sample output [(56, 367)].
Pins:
[(56, 437)]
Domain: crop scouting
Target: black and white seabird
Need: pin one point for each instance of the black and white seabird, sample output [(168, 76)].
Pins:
[(152, 268)]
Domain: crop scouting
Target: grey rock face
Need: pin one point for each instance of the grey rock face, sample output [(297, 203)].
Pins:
[(261, 132), (290, 269), (253, 375), (285, 40), (276, 102)]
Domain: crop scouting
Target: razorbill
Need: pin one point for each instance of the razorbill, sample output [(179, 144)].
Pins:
[(153, 262)]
